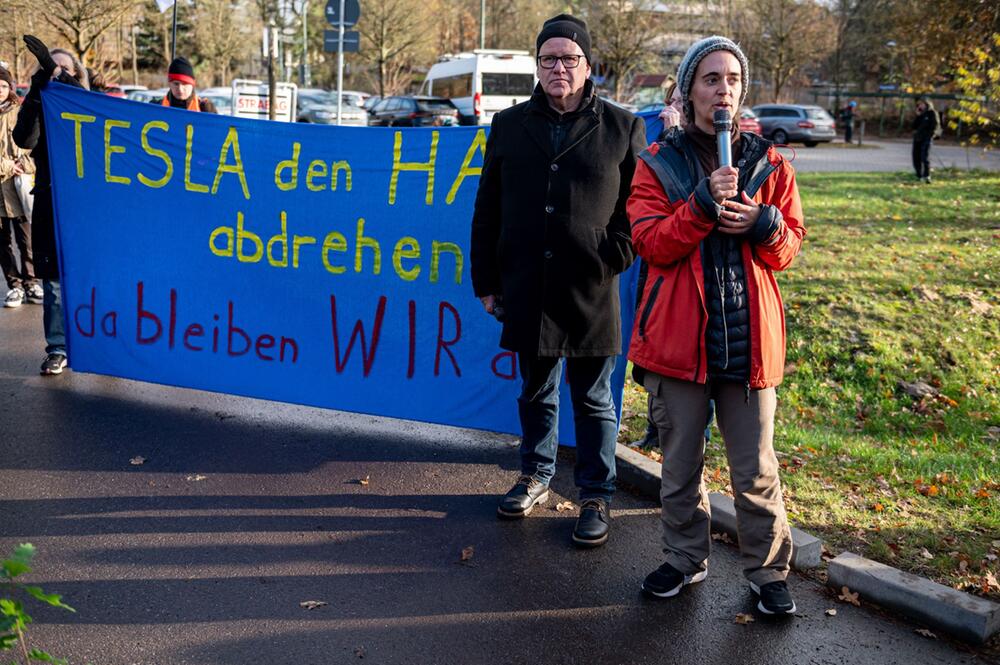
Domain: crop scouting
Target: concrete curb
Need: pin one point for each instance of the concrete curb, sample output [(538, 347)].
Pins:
[(641, 472), (960, 614)]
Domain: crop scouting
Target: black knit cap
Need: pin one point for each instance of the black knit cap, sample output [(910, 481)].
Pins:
[(567, 26), (181, 70)]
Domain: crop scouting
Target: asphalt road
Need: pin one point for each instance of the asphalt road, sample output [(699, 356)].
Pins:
[(243, 509), (886, 156)]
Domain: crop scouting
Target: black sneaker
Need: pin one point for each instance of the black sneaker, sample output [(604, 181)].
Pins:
[(522, 498), (775, 598), (666, 581), (593, 525), (53, 364)]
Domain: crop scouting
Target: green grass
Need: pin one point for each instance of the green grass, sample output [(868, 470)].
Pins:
[(897, 282)]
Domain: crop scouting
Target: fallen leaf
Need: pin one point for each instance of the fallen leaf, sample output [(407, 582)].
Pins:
[(722, 538), (926, 633), (564, 506), (982, 493), (933, 490), (467, 553), (359, 652), (312, 604), (197, 477), (363, 481), (927, 294), (831, 612), (879, 507), (918, 389), (137, 460), (924, 553), (978, 306), (744, 619), (848, 597)]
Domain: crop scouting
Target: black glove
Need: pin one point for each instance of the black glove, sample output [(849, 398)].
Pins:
[(38, 82), (41, 53)]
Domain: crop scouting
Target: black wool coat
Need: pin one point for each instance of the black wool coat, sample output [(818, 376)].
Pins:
[(550, 233)]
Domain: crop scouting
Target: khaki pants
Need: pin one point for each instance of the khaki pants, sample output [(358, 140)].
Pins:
[(679, 409)]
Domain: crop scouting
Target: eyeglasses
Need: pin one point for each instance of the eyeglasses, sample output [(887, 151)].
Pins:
[(568, 61)]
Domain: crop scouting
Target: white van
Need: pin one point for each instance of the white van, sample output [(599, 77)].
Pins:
[(482, 82)]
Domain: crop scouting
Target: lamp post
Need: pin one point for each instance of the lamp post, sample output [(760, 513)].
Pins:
[(891, 44)]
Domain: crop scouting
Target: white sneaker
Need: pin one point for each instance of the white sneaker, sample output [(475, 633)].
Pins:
[(34, 294), (14, 297)]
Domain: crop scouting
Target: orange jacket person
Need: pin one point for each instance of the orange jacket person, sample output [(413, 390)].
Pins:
[(180, 78)]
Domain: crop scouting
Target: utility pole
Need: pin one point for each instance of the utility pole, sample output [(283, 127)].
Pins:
[(272, 82), (304, 75), (135, 61), (482, 24)]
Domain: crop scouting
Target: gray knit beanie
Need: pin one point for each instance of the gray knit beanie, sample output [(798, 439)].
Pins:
[(695, 54)]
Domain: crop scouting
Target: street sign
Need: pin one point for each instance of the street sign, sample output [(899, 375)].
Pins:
[(251, 100), (887, 87), (352, 41), (352, 11)]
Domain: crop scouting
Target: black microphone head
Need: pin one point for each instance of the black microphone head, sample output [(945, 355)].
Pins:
[(722, 121)]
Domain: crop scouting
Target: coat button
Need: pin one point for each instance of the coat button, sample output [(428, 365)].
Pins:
[(549, 209), (554, 167), (547, 254)]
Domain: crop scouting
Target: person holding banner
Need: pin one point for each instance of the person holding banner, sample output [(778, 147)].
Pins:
[(29, 132), (15, 164), (180, 78), (549, 239), (711, 323)]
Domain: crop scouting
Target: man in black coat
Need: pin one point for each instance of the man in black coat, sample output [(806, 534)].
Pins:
[(549, 238), (926, 127)]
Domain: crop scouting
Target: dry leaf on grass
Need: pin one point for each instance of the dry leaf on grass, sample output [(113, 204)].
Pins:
[(564, 506), (467, 553), (926, 633), (744, 619), (924, 553), (137, 460), (831, 612), (312, 604), (848, 597)]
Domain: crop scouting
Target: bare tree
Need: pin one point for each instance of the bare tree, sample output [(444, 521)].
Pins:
[(221, 36), (393, 30), (794, 34), (83, 22), (621, 32)]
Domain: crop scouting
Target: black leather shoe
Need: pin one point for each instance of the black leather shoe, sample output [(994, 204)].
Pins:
[(593, 525), (522, 498)]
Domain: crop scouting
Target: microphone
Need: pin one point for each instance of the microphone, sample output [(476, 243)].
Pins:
[(723, 123)]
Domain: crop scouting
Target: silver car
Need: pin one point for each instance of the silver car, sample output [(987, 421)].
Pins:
[(785, 123)]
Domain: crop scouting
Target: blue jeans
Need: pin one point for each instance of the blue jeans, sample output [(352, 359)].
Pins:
[(593, 414), (52, 318)]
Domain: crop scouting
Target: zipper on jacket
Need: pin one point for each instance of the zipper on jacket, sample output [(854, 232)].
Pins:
[(648, 308)]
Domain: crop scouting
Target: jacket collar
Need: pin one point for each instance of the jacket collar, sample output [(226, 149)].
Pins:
[(538, 114)]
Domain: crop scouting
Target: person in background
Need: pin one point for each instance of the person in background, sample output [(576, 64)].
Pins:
[(29, 132), (847, 120), (180, 78), (926, 127), (711, 322), (14, 224)]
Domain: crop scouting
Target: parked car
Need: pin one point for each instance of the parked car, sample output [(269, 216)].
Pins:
[(482, 82), (128, 87), (414, 111), (151, 96), (371, 102), (785, 123), (749, 122), (320, 107)]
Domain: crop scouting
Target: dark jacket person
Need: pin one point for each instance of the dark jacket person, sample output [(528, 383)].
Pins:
[(925, 128), (549, 237), (29, 132)]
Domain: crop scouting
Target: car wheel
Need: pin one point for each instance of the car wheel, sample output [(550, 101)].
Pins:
[(811, 144), (780, 137)]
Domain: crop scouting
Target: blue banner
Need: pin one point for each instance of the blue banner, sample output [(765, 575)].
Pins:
[(319, 265)]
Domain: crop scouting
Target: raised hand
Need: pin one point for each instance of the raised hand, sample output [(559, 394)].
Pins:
[(41, 52)]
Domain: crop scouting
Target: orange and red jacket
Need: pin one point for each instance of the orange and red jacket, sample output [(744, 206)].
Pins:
[(668, 336)]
